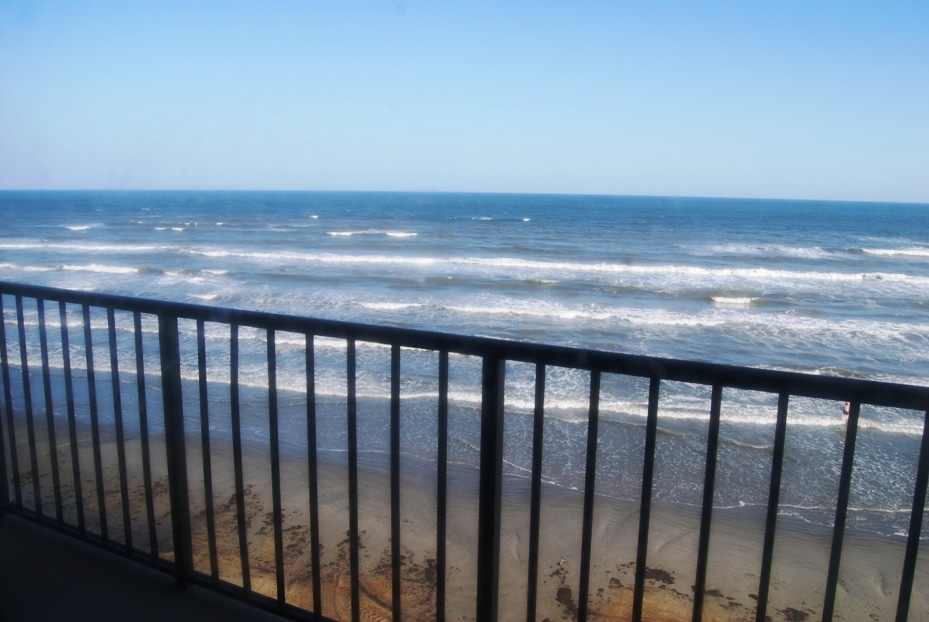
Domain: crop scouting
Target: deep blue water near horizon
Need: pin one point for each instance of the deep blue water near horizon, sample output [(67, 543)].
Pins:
[(819, 287)]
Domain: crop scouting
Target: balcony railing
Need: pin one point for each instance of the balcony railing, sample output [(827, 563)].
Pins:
[(113, 409)]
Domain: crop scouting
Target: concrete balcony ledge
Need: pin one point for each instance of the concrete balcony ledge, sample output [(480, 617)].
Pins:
[(46, 575)]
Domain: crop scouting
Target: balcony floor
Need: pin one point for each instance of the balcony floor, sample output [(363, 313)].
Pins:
[(46, 575)]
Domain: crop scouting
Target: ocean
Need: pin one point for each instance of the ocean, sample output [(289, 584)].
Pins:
[(827, 288)]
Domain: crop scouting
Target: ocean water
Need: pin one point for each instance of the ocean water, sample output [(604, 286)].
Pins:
[(816, 287)]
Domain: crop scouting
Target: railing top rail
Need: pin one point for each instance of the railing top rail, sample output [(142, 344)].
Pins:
[(730, 376)]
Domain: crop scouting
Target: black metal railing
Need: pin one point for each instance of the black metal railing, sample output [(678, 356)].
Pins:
[(144, 336)]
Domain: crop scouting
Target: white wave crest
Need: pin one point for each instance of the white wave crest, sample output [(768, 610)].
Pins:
[(100, 268), (735, 301), (82, 227), (86, 248), (767, 324), (548, 269), (764, 250), (11, 266), (537, 311), (388, 233), (914, 251), (510, 267), (390, 306)]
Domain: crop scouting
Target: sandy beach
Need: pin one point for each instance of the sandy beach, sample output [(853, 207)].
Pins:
[(868, 584)]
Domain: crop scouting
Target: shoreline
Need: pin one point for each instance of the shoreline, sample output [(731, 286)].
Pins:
[(883, 464)]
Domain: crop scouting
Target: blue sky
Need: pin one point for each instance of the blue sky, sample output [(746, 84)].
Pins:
[(819, 100)]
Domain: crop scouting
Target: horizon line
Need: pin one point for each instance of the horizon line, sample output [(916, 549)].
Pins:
[(464, 192)]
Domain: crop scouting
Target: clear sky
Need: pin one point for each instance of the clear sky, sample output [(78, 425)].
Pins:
[(780, 99)]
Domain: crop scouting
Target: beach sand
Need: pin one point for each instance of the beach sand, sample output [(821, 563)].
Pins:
[(868, 583)]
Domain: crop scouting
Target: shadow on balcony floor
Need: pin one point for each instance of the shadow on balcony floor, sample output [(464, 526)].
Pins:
[(45, 575)]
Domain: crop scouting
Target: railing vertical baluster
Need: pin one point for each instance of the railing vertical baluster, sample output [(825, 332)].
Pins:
[(774, 495), (11, 431), (143, 436), (49, 412), (312, 465), (72, 422), (648, 471), (535, 504), (27, 402), (841, 509), (235, 416), (441, 487), (175, 446), (590, 478), (352, 422), (709, 486), (916, 525), (275, 468), (94, 422), (118, 417), (491, 472), (206, 451), (395, 480)]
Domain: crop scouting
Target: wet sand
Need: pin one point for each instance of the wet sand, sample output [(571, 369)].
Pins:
[(868, 584)]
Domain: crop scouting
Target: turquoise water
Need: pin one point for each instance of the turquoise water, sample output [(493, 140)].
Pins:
[(818, 287)]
